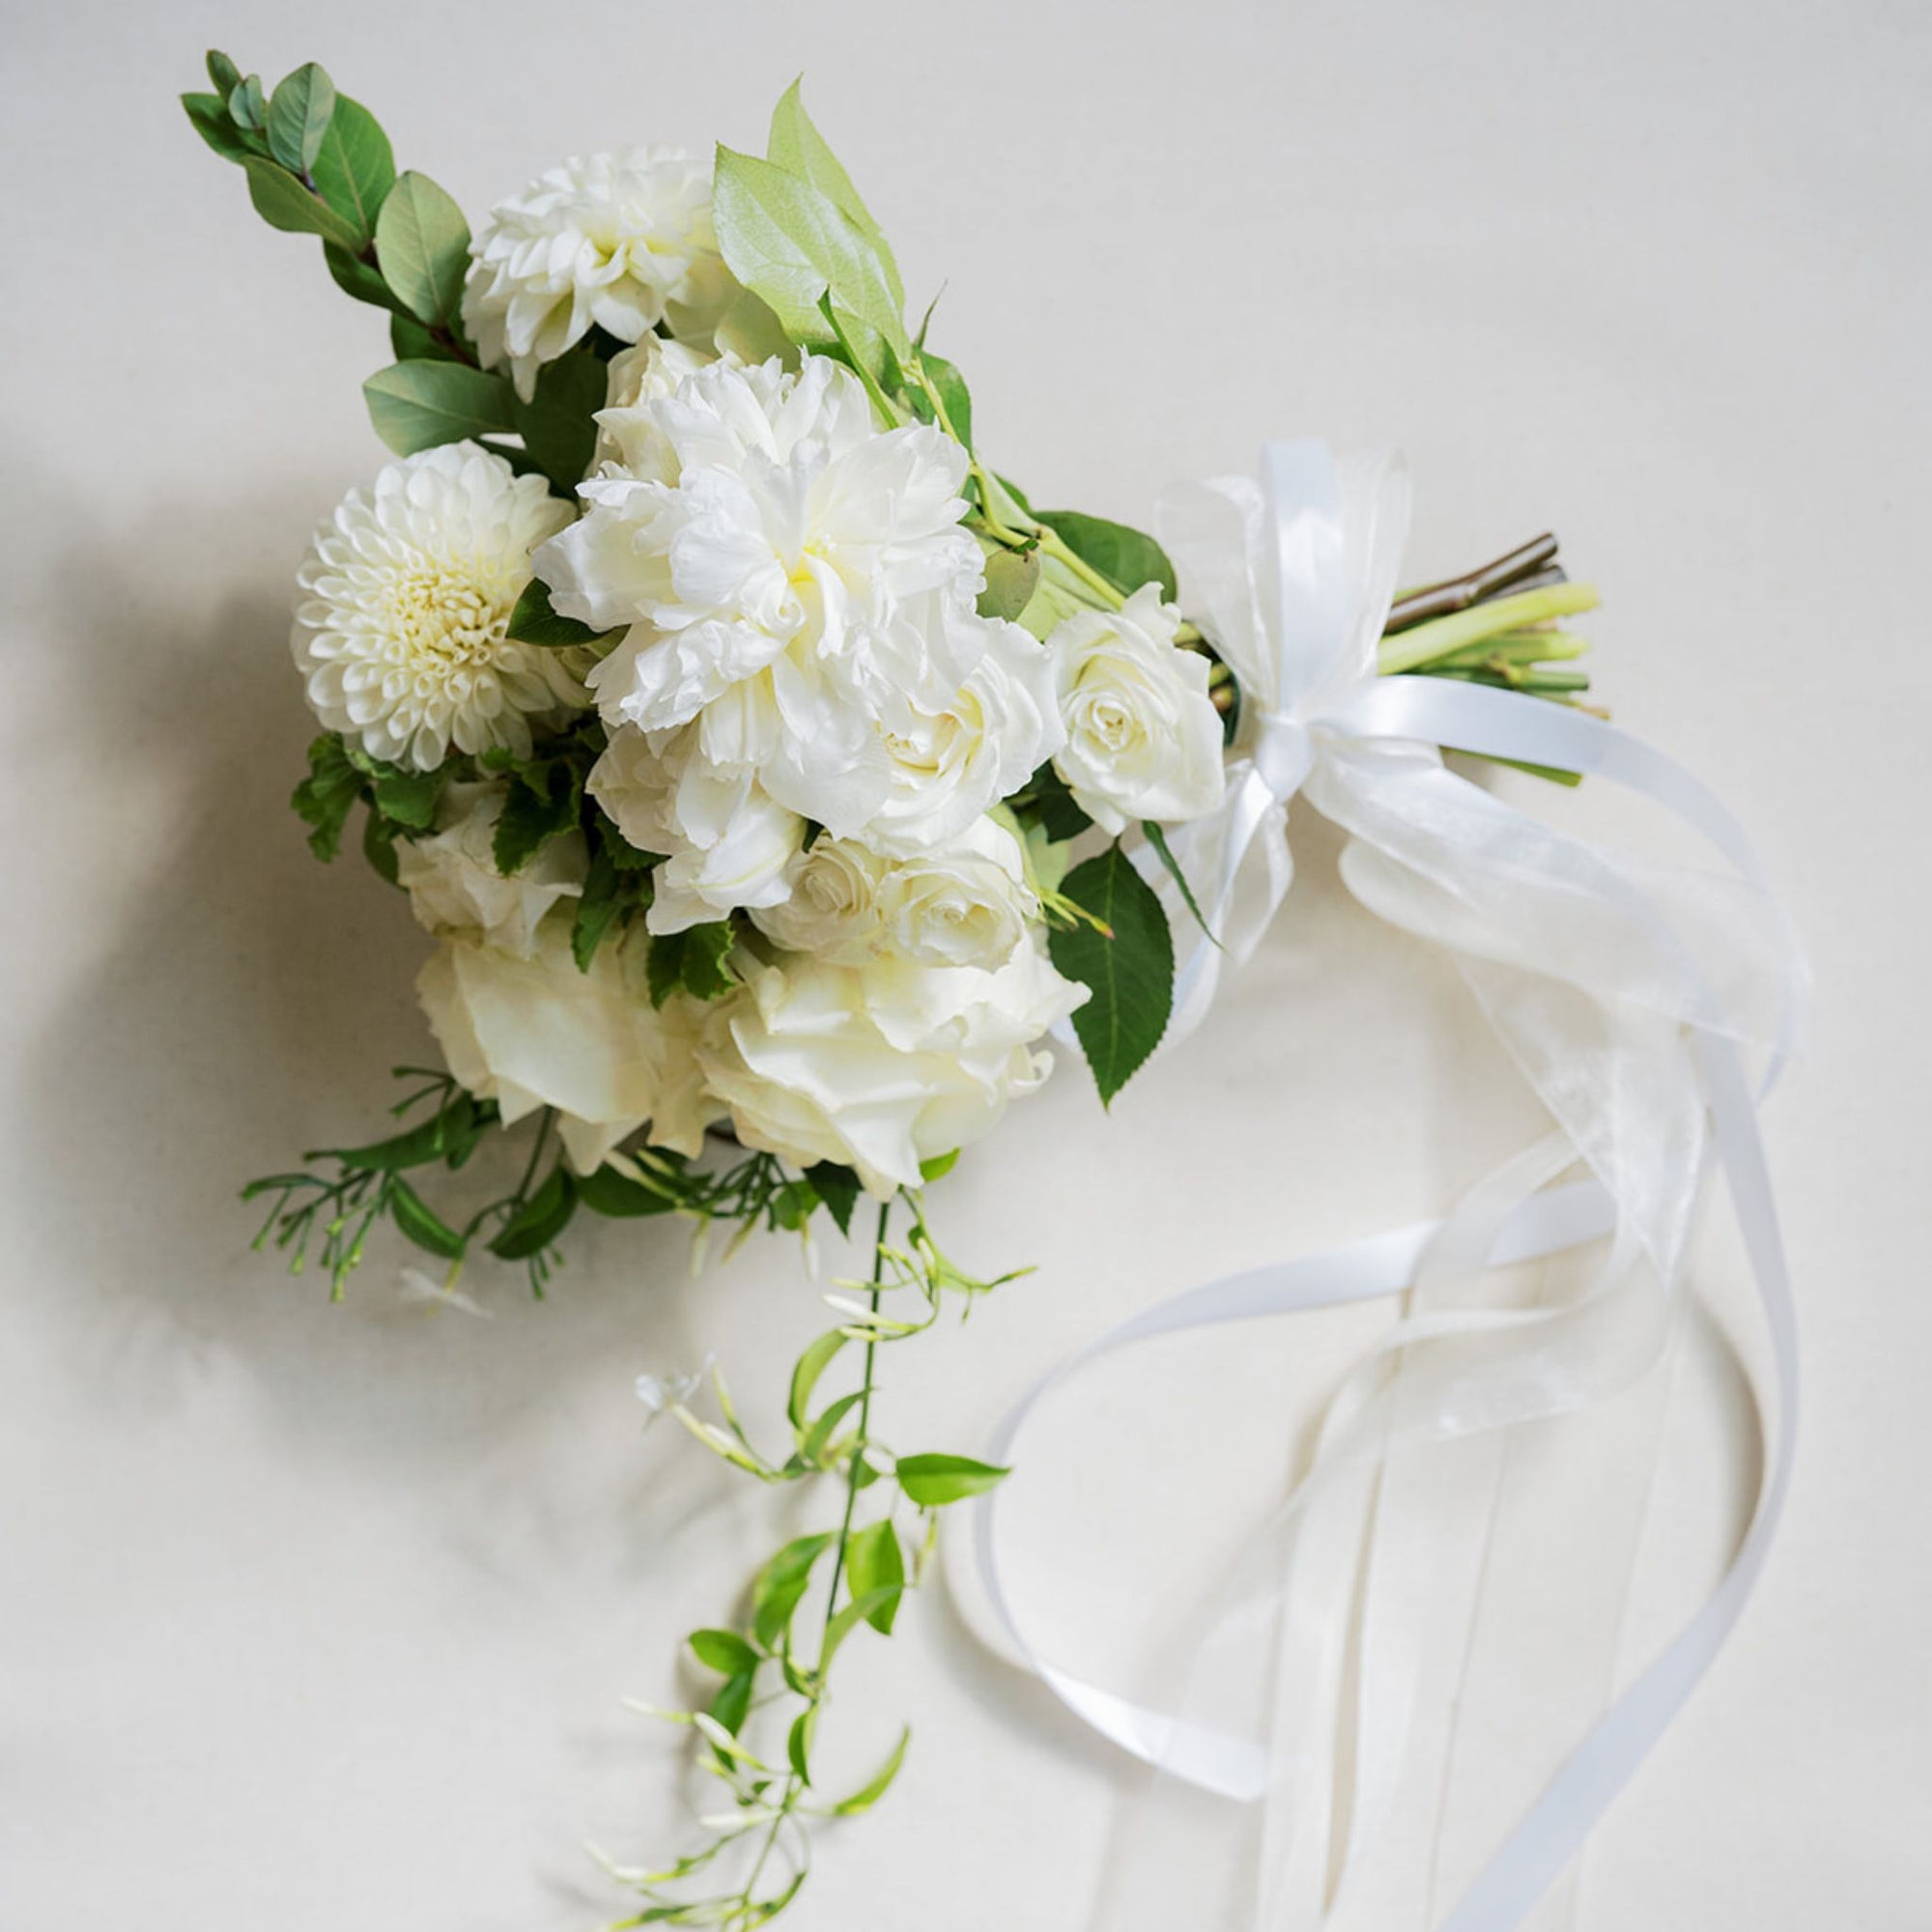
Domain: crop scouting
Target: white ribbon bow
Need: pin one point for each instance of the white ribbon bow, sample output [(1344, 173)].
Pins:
[(1626, 994)]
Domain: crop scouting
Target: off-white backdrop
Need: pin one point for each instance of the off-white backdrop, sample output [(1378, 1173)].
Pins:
[(317, 1617)]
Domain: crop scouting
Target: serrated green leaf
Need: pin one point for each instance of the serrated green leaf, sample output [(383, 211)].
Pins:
[(876, 1786), (611, 895), (298, 116), (420, 1224), (408, 797), (804, 1375), (355, 168), (417, 405), (790, 245), (282, 202), (933, 1481), (693, 962), (543, 803), (723, 1651), (324, 799), (558, 424), (1130, 974), (540, 1220), (423, 247), (781, 1583), (838, 1187), (876, 1569), (379, 847), (1126, 558), (795, 146)]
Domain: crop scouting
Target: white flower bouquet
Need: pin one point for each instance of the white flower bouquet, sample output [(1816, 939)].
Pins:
[(776, 780)]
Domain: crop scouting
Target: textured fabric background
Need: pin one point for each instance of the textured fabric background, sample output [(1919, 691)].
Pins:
[(316, 1618)]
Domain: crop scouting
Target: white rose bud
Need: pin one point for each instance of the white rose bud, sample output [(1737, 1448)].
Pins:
[(455, 889), (1142, 737), (834, 912), (966, 904)]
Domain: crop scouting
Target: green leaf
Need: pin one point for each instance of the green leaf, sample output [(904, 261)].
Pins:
[(606, 1191), (298, 117), (693, 962), (543, 802), (806, 1373), (556, 424), (875, 1563), (1011, 577), (1130, 974), (447, 1135), (354, 276), (324, 799), (223, 75), (877, 1785), (859, 1611), (838, 1187), (939, 1166), (355, 168), (540, 1220), (790, 245), (379, 846), (781, 1583), (1157, 839), (420, 1224), (723, 1651), (282, 202), (417, 405), (795, 146), (412, 341), (534, 622), (1052, 806), (931, 1481), (818, 1437), (246, 107), (798, 1743), (611, 894), (732, 1704), (423, 247), (408, 797), (209, 113), (952, 392), (1126, 557)]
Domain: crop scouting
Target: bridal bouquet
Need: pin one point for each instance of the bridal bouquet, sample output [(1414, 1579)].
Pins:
[(774, 780)]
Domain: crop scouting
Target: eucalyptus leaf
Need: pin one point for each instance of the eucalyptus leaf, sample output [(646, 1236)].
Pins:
[(423, 247), (354, 167), (223, 75), (209, 113), (246, 107), (298, 116), (1128, 967), (282, 202), (354, 276), (417, 405)]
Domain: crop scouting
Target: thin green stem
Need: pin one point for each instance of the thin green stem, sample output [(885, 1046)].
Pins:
[(1424, 644)]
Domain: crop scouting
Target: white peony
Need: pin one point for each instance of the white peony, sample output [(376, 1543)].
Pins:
[(455, 889), (727, 843), (623, 242), (406, 595), (538, 1033), (965, 903), (645, 373), (1142, 737), (880, 1066)]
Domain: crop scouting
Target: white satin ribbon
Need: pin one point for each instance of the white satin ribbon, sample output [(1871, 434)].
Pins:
[(1624, 994)]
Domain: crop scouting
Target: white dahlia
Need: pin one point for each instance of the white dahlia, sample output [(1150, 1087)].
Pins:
[(620, 241), (406, 596)]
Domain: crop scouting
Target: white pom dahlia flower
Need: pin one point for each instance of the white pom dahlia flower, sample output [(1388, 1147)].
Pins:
[(623, 242), (405, 597)]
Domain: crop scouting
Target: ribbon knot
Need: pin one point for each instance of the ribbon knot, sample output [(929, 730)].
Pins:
[(1283, 753)]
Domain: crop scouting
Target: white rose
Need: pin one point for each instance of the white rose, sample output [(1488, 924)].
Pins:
[(454, 885), (966, 903), (884, 1065), (538, 1033), (834, 910), (1142, 737)]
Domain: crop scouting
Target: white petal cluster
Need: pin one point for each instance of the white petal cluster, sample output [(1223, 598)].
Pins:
[(406, 596), (1142, 737), (455, 889), (623, 242), (883, 1066), (800, 644), (535, 1031)]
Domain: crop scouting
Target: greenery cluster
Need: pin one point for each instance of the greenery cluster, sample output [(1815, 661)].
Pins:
[(819, 278)]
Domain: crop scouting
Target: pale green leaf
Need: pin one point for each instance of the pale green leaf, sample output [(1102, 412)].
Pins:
[(282, 202), (298, 117), (417, 405), (931, 1481), (798, 147), (423, 247), (355, 169)]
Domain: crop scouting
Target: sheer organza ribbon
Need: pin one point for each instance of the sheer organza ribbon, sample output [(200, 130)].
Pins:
[(1629, 997)]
